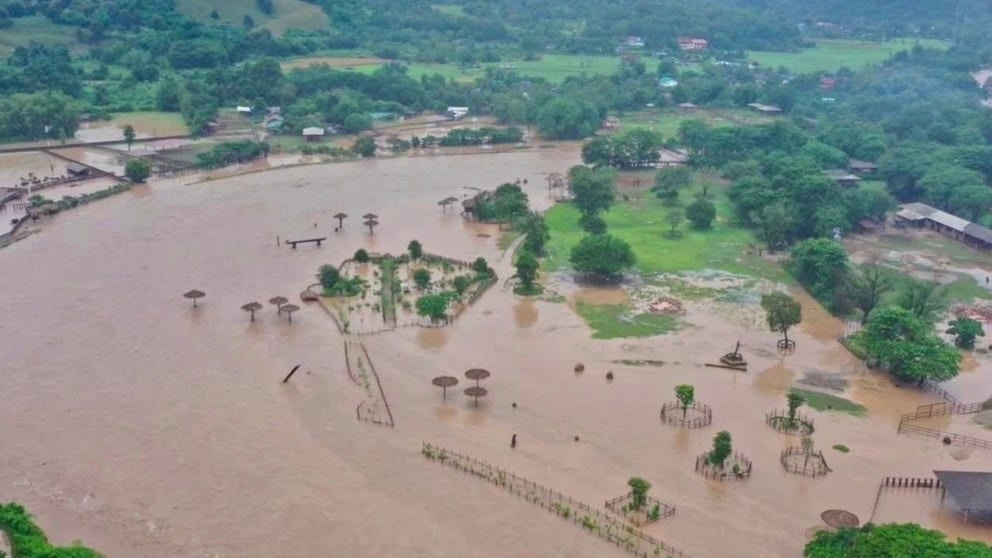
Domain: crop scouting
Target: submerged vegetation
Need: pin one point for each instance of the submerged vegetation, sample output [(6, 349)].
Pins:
[(27, 540)]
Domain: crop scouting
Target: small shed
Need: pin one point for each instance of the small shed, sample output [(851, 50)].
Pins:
[(456, 113), (76, 169), (971, 491), (313, 133), (668, 158), (765, 109), (687, 107), (667, 82), (862, 168), (243, 110), (844, 178)]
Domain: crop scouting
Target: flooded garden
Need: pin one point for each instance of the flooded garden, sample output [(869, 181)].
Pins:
[(149, 427)]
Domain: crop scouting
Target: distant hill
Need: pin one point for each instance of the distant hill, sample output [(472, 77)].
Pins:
[(286, 14)]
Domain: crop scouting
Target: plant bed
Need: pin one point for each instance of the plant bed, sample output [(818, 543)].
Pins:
[(736, 467), (781, 422), (800, 462), (697, 415), (651, 512)]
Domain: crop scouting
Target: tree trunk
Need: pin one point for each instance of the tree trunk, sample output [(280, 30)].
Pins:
[(253, 315)]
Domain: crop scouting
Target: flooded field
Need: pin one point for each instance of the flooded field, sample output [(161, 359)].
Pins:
[(145, 124), (145, 427), (17, 169)]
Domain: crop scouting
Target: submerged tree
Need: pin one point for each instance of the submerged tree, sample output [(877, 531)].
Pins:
[(129, 135), (526, 270), (422, 278), (638, 491), (415, 249), (722, 448), (782, 312), (686, 395), (794, 400), (434, 307), (924, 299), (965, 330)]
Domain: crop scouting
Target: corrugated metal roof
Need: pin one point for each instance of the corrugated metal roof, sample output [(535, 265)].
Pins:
[(972, 490), (977, 231), (952, 222)]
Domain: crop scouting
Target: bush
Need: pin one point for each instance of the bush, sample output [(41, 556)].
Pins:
[(138, 170), (604, 255), (701, 214), (27, 540), (231, 152), (361, 256)]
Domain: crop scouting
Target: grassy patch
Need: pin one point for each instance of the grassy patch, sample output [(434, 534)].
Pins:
[(617, 321), (449, 10), (288, 14), (552, 67), (642, 224), (41, 29), (832, 54), (842, 448), (825, 402)]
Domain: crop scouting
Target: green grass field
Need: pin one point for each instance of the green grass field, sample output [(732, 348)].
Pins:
[(38, 28), (552, 67), (667, 121), (288, 14), (832, 54), (826, 402), (615, 321), (642, 224)]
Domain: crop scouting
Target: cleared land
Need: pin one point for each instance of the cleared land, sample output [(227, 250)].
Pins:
[(552, 67), (288, 14), (667, 121), (37, 28), (832, 54)]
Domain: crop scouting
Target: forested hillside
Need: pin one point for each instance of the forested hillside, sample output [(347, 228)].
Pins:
[(880, 19)]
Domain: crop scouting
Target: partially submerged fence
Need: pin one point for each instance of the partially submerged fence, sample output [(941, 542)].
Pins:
[(740, 467), (603, 525), (619, 506), (902, 482), (944, 408), (375, 397), (814, 464), (674, 414), (780, 421)]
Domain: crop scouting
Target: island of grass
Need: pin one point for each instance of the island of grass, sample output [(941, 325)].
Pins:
[(826, 402), (370, 293), (639, 218)]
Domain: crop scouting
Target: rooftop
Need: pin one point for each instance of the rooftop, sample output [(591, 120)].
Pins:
[(971, 490)]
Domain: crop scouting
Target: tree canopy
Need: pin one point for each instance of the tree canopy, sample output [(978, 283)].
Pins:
[(602, 254), (891, 541), (907, 346)]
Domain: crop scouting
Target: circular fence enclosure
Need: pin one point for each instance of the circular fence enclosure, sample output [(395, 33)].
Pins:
[(696, 415), (736, 467), (801, 425), (798, 462)]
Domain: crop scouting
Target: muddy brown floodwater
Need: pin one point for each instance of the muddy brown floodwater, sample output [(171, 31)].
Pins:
[(148, 428)]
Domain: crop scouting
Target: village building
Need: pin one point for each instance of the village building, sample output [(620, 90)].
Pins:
[(862, 168), (667, 82), (456, 113), (844, 178), (921, 215), (243, 110), (313, 133), (669, 158), (76, 169), (693, 43), (970, 492), (634, 42), (687, 107), (764, 109)]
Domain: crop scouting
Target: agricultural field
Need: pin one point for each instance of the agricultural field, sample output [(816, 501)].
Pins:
[(667, 121), (832, 54), (288, 14), (552, 67), (38, 28)]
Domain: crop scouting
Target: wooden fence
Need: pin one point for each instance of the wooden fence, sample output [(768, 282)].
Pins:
[(813, 465), (902, 482), (944, 408), (711, 472), (673, 414), (779, 420), (366, 410), (618, 504), (605, 526)]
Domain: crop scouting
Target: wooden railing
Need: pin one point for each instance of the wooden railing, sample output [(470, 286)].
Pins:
[(605, 526)]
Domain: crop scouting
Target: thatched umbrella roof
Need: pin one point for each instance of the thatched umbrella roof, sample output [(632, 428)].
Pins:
[(477, 374), (840, 518), (278, 301), (252, 307), (340, 215), (444, 382), (289, 309), (476, 392), (195, 294), (370, 216)]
